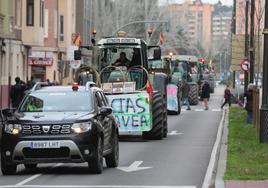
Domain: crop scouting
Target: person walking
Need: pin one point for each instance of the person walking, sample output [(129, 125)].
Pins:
[(17, 92), (227, 96), (185, 94), (205, 93), (249, 103)]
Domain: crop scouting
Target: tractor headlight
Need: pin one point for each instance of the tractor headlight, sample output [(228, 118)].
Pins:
[(81, 127), (13, 129)]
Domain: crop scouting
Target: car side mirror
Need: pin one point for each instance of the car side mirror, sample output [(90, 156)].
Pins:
[(8, 112), (104, 111)]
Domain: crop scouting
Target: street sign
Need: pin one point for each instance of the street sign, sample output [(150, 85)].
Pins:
[(244, 65)]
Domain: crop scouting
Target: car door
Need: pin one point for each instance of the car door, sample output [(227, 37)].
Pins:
[(105, 120)]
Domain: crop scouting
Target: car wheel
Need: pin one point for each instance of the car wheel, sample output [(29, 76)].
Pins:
[(112, 159), (96, 165), (30, 166), (8, 169)]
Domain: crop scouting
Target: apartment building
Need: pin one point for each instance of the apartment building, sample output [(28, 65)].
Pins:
[(195, 17)]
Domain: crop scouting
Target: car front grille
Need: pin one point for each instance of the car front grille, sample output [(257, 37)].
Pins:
[(45, 129), (62, 152)]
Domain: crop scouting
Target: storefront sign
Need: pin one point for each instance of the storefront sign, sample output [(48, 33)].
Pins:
[(40, 61)]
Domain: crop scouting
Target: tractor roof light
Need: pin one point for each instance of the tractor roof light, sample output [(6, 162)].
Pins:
[(121, 34)]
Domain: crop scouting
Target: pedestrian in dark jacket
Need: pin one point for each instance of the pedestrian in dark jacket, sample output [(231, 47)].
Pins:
[(17, 92), (30, 83), (249, 103), (205, 94), (227, 96), (185, 94)]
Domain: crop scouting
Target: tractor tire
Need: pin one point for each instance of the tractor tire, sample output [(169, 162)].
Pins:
[(158, 118), (193, 94), (165, 124)]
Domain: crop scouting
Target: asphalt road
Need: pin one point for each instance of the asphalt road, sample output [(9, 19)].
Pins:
[(179, 161)]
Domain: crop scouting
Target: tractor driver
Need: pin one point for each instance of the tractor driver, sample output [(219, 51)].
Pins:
[(122, 60)]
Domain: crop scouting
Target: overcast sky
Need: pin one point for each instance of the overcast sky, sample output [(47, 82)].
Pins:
[(226, 2)]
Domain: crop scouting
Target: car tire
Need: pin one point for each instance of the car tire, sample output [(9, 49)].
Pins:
[(96, 165), (30, 166), (113, 158), (8, 169)]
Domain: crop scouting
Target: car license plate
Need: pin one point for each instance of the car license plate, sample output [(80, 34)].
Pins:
[(45, 144)]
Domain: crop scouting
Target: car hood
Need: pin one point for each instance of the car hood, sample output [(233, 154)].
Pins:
[(53, 116)]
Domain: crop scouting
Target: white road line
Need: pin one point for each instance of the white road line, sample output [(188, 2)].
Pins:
[(34, 177), (214, 154), (199, 110), (94, 186), (28, 180), (216, 110)]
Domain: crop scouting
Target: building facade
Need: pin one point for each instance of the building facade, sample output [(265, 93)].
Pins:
[(221, 27), (13, 53), (195, 18)]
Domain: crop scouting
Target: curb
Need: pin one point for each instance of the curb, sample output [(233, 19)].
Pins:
[(219, 182), (209, 180)]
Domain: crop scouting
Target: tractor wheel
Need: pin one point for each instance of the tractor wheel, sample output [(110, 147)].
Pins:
[(158, 117), (193, 94), (165, 124)]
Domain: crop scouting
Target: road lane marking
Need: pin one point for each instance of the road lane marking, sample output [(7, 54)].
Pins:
[(135, 166), (216, 110), (28, 180), (34, 177), (214, 154), (94, 186), (174, 133), (199, 110)]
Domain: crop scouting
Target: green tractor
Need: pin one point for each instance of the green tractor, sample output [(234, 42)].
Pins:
[(137, 96), (174, 94), (187, 68)]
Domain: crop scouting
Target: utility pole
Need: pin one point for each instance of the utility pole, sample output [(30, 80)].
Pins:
[(252, 41), (234, 32), (264, 106), (246, 46)]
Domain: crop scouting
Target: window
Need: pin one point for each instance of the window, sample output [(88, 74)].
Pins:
[(46, 23), (42, 8), (18, 12), (30, 13), (55, 24), (1, 23), (61, 28)]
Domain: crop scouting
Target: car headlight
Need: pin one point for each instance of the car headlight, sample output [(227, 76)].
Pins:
[(81, 127), (13, 129)]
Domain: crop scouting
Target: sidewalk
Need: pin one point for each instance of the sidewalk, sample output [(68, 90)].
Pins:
[(221, 166)]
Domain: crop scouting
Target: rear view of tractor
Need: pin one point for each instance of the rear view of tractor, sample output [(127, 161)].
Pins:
[(136, 95), (173, 87), (187, 68)]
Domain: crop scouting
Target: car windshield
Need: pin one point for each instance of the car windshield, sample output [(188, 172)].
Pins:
[(57, 102)]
